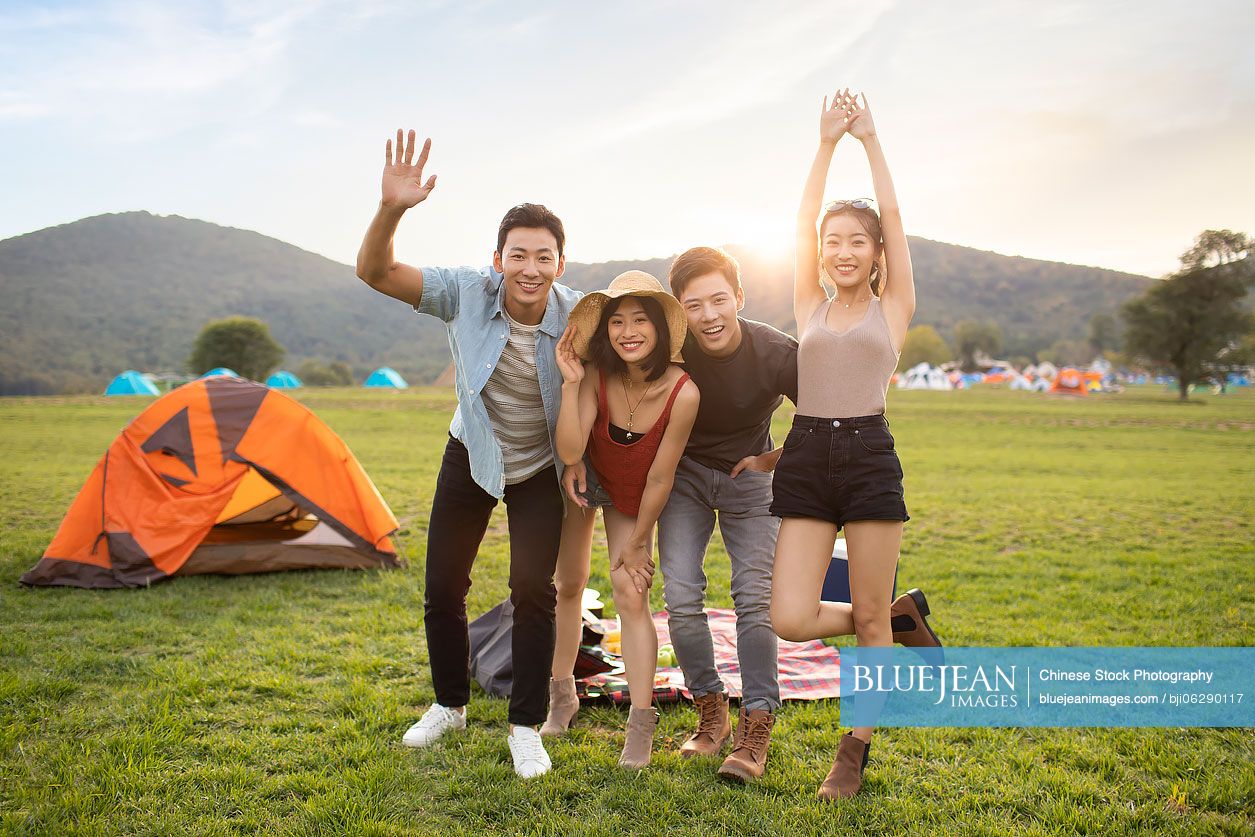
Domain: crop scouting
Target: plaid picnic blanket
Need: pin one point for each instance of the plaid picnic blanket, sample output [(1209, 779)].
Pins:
[(808, 670)]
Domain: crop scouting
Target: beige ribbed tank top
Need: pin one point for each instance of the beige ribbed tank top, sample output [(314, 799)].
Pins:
[(842, 374)]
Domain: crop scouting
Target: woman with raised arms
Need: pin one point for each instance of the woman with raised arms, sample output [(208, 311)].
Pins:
[(839, 468), (632, 409)]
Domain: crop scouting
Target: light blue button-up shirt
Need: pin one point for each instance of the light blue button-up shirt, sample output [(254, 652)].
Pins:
[(471, 303)]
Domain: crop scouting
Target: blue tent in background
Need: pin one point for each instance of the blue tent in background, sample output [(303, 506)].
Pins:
[(131, 382), (221, 370), (283, 379), (385, 376)]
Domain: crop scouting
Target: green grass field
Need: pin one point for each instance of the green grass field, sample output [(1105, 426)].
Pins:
[(275, 704)]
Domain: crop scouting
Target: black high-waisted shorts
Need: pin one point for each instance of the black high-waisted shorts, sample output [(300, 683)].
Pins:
[(839, 470)]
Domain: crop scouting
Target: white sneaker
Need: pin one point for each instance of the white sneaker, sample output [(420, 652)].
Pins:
[(436, 721), (530, 758)]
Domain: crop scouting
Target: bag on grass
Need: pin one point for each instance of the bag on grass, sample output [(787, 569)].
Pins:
[(491, 663)]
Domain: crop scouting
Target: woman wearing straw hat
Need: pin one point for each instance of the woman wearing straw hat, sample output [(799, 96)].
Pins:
[(632, 409)]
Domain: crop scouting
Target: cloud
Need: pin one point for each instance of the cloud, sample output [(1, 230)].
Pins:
[(27, 21), (1106, 133), (742, 61), (135, 71)]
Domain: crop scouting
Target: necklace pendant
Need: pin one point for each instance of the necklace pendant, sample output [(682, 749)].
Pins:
[(629, 434)]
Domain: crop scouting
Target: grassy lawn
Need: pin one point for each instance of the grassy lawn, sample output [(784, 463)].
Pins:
[(275, 704)]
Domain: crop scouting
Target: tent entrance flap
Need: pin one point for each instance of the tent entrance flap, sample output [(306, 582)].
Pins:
[(255, 499), (259, 511)]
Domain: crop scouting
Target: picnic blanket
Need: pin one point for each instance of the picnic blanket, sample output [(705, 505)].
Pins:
[(808, 670)]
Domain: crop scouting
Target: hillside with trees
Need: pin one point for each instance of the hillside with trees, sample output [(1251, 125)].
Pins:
[(84, 301)]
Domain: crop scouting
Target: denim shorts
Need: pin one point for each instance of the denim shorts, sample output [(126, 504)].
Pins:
[(839, 470), (594, 494)]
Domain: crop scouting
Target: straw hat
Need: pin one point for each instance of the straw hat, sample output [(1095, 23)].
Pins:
[(587, 312)]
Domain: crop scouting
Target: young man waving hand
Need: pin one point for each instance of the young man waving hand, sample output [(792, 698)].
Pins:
[(504, 322)]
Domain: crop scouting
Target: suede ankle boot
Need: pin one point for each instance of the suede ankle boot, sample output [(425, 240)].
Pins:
[(846, 776), (748, 758), (564, 702), (713, 727), (638, 744)]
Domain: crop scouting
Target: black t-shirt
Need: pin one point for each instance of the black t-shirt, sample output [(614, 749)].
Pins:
[(739, 393)]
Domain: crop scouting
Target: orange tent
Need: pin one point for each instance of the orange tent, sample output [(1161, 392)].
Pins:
[(1069, 382), (221, 475), (447, 378)]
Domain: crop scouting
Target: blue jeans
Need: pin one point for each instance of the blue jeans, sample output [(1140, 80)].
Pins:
[(699, 495)]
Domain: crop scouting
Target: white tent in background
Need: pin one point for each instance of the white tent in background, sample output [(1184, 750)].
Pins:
[(1020, 382), (1047, 370), (1101, 365), (924, 376)]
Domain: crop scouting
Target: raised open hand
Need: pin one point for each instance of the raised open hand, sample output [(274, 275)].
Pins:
[(403, 179), (569, 363), (861, 126), (834, 119)]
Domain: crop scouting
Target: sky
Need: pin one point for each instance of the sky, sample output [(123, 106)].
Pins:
[(1105, 134)]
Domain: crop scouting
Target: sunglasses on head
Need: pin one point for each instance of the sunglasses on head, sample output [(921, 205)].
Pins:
[(857, 203)]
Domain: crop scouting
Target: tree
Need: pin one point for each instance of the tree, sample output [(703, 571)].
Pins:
[(1243, 354), (315, 373), (1214, 248), (1190, 319), (972, 337), (1068, 353), (923, 344), (1103, 334), (342, 372), (243, 344)]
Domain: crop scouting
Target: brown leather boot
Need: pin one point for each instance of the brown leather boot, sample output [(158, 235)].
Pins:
[(638, 744), (564, 702), (846, 776), (713, 727), (748, 758), (910, 628)]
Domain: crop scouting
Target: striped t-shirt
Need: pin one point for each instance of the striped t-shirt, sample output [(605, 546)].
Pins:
[(512, 397)]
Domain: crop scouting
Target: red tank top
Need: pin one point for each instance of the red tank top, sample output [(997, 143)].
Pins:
[(622, 469)]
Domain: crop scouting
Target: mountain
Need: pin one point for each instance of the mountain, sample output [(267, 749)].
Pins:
[(83, 301)]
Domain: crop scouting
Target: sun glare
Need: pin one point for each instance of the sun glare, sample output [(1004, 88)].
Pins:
[(763, 238)]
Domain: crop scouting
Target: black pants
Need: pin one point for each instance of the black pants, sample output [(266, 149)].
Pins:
[(460, 512)]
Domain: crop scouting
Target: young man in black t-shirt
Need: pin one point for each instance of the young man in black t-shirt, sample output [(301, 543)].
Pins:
[(744, 370)]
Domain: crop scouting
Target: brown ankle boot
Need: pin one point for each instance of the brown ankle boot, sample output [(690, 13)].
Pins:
[(846, 776), (748, 758), (638, 744), (564, 702), (713, 727), (910, 628)]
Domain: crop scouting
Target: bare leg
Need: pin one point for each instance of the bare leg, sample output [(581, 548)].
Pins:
[(873, 546), (640, 640), (570, 579), (803, 553)]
